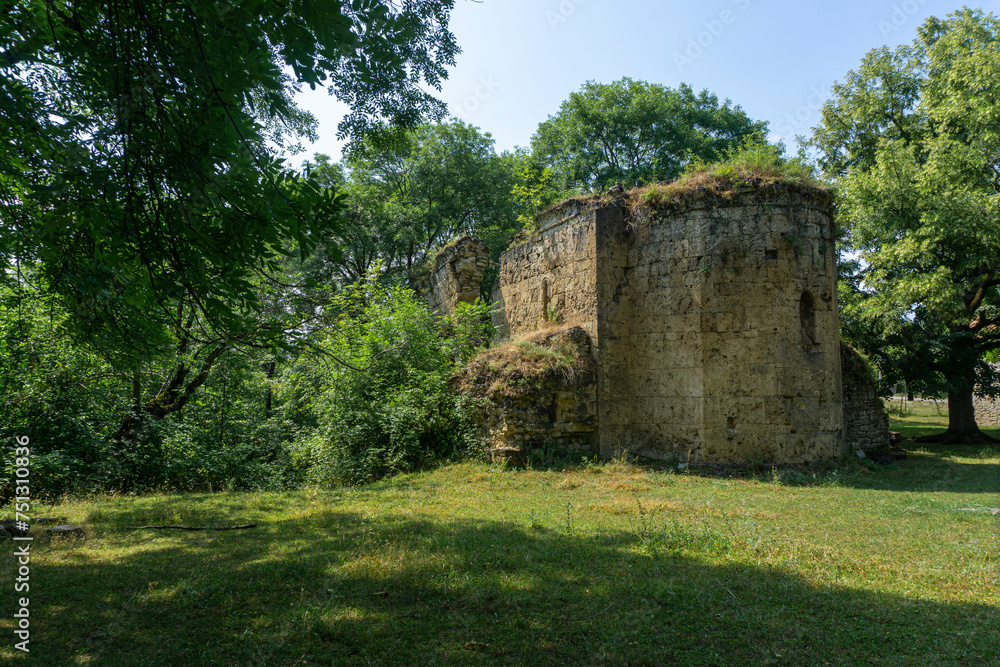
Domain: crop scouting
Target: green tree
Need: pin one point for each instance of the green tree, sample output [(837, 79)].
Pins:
[(382, 400), (913, 139), (70, 402), (636, 133), (140, 167), (536, 186), (411, 196)]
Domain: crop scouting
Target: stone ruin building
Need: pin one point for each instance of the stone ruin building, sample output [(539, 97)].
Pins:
[(866, 423), (703, 329)]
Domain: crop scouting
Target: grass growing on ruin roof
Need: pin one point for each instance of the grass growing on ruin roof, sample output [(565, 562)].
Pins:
[(515, 367), (573, 564), (751, 165)]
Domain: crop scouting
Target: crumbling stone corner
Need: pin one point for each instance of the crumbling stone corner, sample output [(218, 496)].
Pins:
[(456, 275)]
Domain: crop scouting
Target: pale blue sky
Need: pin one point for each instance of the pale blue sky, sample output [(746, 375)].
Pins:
[(777, 59)]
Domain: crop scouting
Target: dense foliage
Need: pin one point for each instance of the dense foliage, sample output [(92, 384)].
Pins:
[(381, 398), (405, 200), (70, 402), (636, 133), (366, 396), (165, 263), (141, 162), (913, 139)]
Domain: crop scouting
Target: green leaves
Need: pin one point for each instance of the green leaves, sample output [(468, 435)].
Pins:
[(636, 133), (384, 404), (912, 138), (139, 167), (410, 196)]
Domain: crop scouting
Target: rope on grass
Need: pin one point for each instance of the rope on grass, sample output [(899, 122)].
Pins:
[(584, 618), (243, 527)]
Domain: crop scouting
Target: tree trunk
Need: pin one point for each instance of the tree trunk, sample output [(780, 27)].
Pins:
[(962, 427), (171, 399), (267, 397), (130, 426), (136, 391)]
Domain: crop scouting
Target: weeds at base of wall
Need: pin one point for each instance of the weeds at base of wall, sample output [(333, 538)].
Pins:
[(549, 456)]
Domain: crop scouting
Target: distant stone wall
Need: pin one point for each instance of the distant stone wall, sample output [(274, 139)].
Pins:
[(457, 275), (866, 423), (987, 409), (528, 404)]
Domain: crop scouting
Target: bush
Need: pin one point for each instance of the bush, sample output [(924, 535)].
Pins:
[(385, 405), (70, 401), (372, 399)]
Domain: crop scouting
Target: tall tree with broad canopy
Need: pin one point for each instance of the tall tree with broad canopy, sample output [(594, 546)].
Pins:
[(408, 198), (141, 164), (913, 138), (141, 171), (635, 133)]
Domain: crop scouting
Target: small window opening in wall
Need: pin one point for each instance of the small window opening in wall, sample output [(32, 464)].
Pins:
[(771, 255), (545, 297), (807, 316)]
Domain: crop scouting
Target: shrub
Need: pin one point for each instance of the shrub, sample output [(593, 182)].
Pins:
[(385, 406)]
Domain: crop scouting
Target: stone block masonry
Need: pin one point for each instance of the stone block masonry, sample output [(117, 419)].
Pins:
[(713, 320), (866, 423), (553, 276), (987, 409), (456, 274), (537, 392)]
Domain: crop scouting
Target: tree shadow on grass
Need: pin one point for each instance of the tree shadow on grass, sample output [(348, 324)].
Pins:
[(340, 588), (928, 467), (915, 429)]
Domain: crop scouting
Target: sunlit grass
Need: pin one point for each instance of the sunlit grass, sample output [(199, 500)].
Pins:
[(584, 564)]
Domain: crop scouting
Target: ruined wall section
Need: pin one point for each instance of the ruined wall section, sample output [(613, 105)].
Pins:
[(551, 277), (456, 275), (528, 402), (727, 342), (615, 380), (987, 410), (866, 423)]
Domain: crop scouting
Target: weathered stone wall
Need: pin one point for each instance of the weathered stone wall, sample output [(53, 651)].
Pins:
[(456, 275), (727, 342), (714, 324), (553, 276), (866, 423), (526, 406), (987, 409)]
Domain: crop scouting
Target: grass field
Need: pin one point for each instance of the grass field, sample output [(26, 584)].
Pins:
[(473, 564)]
